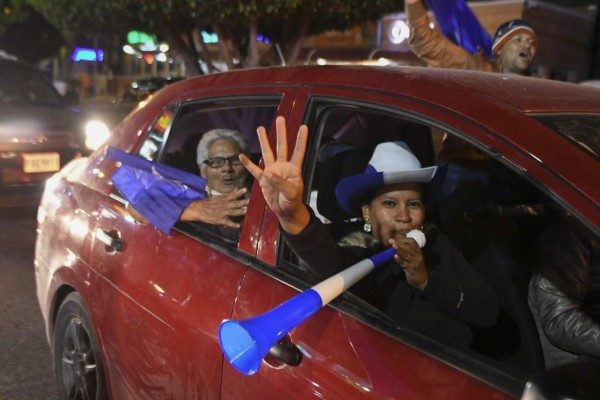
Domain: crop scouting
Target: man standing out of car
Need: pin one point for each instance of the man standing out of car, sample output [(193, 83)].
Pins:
[(514, 47)]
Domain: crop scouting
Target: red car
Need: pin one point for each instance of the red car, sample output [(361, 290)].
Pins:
[(133, 313)]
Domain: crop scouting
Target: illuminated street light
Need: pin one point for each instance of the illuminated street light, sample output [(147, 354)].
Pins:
[(129, 49), (398, 32)]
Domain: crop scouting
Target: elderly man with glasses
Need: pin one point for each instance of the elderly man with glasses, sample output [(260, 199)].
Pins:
[(218, 158), (225, 205)]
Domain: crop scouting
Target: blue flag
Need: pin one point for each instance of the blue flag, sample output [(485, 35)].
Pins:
[(158, 192), (458, 23)]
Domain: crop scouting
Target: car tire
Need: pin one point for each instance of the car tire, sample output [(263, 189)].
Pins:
[(77, 362)]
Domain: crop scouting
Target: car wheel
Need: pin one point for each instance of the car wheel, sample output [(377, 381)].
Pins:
[(77, 360)]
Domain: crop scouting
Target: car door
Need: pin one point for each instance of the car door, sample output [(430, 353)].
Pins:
[(165, 293), (349, 349)]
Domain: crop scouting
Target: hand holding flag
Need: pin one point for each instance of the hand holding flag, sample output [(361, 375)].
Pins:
[(458, 23), (157, 191)]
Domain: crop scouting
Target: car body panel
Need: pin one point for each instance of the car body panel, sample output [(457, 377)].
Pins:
[(72, 208), (155, 311), (363, 363)]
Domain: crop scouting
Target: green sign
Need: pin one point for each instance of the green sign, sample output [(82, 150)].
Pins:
[(137, 37)]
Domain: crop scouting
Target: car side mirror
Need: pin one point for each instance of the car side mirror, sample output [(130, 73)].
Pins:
[(576, 381)]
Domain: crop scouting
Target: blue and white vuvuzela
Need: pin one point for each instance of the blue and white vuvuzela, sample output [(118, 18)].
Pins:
[(245, 343)]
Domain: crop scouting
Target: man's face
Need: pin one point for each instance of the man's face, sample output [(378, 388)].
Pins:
[(517, 54), (229, 176)]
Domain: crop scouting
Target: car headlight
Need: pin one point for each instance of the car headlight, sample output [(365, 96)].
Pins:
[(96, 133)]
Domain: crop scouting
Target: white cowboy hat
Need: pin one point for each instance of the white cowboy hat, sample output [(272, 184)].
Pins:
[(391, 162)]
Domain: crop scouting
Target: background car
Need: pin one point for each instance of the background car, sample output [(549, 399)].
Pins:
[(39, 133), (134, 313)]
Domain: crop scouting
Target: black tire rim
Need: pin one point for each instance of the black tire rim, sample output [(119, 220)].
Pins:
[(78, 365)]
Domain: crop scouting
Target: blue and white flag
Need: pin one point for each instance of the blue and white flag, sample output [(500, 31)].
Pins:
[(158, 192), (458, 23)]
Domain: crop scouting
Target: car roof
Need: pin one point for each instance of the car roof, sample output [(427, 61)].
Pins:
[(525, 94)]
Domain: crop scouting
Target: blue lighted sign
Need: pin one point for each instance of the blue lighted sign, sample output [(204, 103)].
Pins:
[(209, 37), (86, 54)]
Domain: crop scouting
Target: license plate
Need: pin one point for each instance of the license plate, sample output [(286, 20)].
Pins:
[(41, 162)]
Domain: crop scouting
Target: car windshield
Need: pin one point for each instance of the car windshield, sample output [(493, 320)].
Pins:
[(581, 129), (24, 86)]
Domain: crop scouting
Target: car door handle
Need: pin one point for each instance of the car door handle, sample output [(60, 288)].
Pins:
[(109, 240), (287, 353)]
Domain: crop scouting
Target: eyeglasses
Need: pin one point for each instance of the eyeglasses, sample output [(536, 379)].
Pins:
[(218, 162)]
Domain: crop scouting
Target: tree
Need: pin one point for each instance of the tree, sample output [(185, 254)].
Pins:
[(26, 34), (237, 22), (171, 20), (285, 22), (12, 11)]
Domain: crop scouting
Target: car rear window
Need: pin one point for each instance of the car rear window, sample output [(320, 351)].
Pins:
[(582, 129)]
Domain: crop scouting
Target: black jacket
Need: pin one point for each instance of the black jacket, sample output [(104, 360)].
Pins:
[(564, 293), (455, 298)]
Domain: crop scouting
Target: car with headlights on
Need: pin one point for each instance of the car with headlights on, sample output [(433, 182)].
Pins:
[(133, 312), (39, 132)]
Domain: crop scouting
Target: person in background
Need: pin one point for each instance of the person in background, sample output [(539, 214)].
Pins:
[(514, 47), (477, 189), (564, 293), (431, 290)]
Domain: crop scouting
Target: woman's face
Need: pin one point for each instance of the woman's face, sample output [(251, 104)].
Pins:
[(395, 210), (232, 174)]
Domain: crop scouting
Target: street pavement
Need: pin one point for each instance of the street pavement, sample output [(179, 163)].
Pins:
[(26, 371)]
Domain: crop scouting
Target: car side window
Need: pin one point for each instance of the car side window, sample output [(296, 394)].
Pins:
[(237, 121), (344, 138), (519, 239), (493, 215), (347, 140), (341, 143), (491, 212)]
